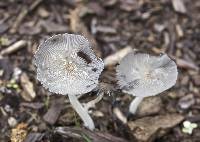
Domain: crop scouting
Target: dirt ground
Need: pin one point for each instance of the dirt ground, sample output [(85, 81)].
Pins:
[(30, 113)]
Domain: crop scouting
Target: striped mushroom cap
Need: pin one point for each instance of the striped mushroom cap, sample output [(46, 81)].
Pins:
[(145, 75), (66, 64)]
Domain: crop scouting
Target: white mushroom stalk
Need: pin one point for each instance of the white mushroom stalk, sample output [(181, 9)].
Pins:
[(143, 75), (67, 65)]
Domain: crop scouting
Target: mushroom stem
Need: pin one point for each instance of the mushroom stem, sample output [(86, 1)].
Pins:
[(134, 104), (88, 122)]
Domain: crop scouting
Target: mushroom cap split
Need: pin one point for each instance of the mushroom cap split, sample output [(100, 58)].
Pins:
[(144, 75), (66, 64)]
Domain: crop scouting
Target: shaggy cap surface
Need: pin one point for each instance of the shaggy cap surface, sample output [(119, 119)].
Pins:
[(66, 64)]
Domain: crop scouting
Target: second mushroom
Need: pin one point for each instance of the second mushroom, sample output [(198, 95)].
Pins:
[(143, 75)]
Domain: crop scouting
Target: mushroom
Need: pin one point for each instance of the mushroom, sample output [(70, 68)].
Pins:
[(143, 75), (67, 65)]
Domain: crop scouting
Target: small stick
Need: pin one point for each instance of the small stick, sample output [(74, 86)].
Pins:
[(14, 47), (116, 57), (92, 103), (82, 134)]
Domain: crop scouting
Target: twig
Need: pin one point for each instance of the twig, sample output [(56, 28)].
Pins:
[(116, 57), (81, 133), (14, 47), (77, 26), (92, 103), (181, 63), (23, 14)]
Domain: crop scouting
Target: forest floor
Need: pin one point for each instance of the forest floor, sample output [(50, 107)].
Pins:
[(29, 113)]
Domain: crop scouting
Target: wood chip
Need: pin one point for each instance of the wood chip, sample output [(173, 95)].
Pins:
[(34, 137), (28, 92), (179, 6), (54, 111), (150, 106), (148, 128), (6, 69), (36, 105)]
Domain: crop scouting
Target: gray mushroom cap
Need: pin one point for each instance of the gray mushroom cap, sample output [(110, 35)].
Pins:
[(66, 64), (144, 75)]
